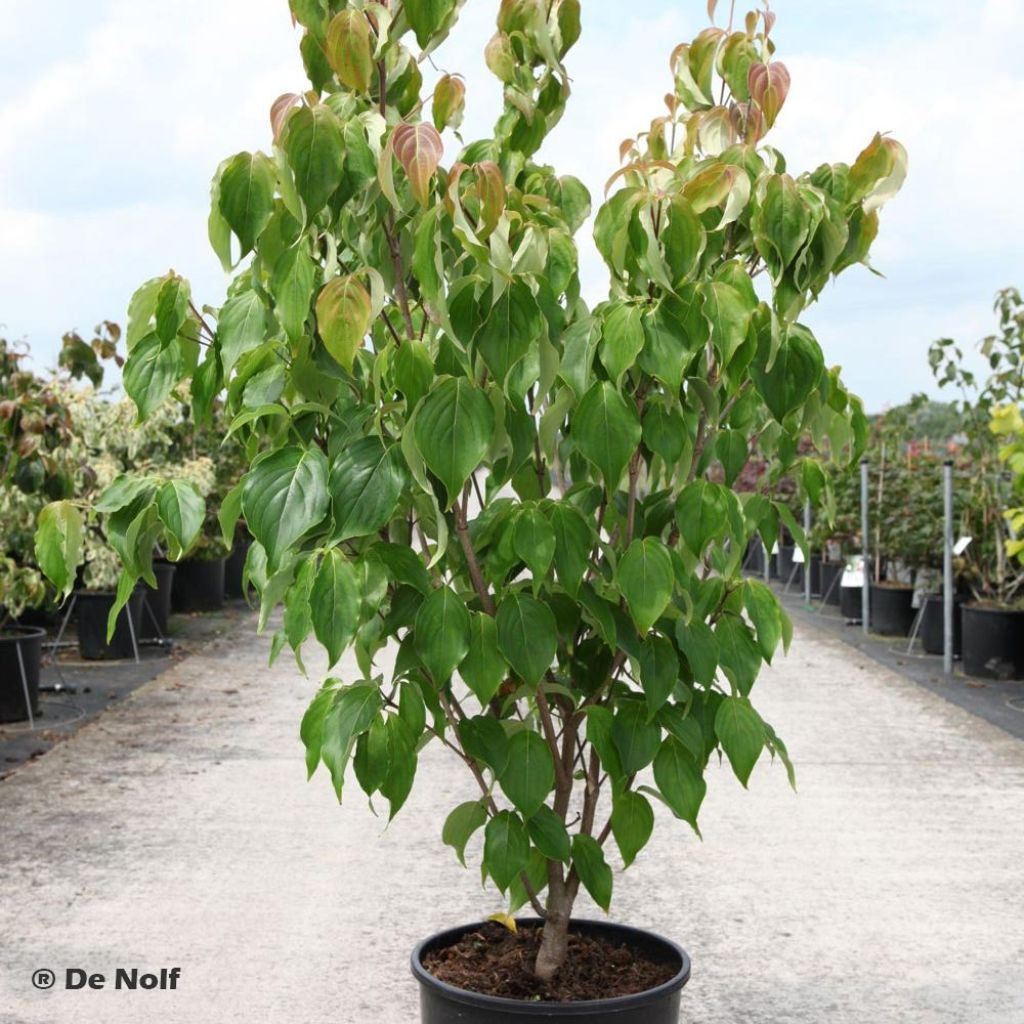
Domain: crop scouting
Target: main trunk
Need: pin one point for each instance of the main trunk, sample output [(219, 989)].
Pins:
[(554, 943)]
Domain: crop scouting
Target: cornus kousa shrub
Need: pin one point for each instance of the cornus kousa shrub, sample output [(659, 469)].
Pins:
[(497, 497)]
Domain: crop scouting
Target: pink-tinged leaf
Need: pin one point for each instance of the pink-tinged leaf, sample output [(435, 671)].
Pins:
[(280, 110), (750, 22), (419, 149), (878, 172), (343, 314), (712, 4), (490, 186), (711, 187), (769, 22), (449, 102), (769, 87), (350, 50)]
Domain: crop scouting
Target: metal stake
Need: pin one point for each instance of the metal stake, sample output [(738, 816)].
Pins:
[(24, 685), (865, 526), (807, 560), (947, 568)]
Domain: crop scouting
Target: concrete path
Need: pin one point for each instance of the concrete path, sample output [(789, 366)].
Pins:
[(178, 831)]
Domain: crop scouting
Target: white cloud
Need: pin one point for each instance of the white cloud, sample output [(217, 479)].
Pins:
[(117, 117)]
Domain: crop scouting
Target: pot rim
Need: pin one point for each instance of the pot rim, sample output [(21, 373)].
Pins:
[(525, 1007), (18, 634), (976, 606)]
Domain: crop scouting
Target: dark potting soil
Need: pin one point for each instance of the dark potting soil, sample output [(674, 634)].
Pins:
[(496, 962)]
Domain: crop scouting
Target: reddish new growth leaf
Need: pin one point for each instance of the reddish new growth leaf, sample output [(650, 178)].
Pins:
[(418, 148), (769, 86)]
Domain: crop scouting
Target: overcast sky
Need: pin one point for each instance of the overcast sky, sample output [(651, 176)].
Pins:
[(115, 113)]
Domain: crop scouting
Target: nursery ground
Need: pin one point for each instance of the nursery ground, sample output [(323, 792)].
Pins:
[(73, 692), (177, 830)]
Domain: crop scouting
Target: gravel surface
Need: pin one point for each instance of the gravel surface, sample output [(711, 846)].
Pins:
[(177, 830)]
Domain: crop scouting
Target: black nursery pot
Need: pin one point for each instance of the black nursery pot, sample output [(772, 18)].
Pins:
[(993, 642), (157, 610), (784, 559), (892, 611), (851, 603), (828, 578), (198, 586), (932, 640), (93, 610), (29, 641), (441, 1003), (234, 567)]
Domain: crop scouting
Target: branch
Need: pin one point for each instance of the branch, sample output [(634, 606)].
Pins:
[(462, 529), (562, 778)]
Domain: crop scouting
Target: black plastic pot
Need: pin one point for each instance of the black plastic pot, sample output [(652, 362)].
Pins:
[(29, 641), (829, 575), (931, 625), (753, 561), (198, 585), (233, 567), (157, 610), (892, 611), (784, 559), (993, 642), (815, 574), (851, 603), (93, 610), (441, 1003)]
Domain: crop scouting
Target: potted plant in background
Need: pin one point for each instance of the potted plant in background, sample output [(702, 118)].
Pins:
[(992, 619), (467, 466), (36, 466), (81, 540)]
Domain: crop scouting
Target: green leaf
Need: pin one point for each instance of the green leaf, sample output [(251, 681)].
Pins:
[(483, 668), (284, 497), (765, 613), (511, 328), (402, 761), (58, 545), (442, 633), (794, 374), (606, 431), (549, 835), (349, 50), (729, 317), (150, 373), (366, 483), (292, 286), (527, 636), (506, 848), (645, 577), (352, 713), (632, 823), (659, 671), (600, 722), (414, 372), (315, 149), (460, 825), (679, 780), (530, 773), (741, 732), (229, 513), (247, 196), (573, 542), (533, 540), (334, 603), (700, 646), (636, 739), (731, 452), (683, 238), (453, 430), (182, 510), (596, 876), (171, 308), (311, 732), (622, 338), (738, 653), (344, 312), (428, 17), (240, 329), (484, 739), (702, 514)]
